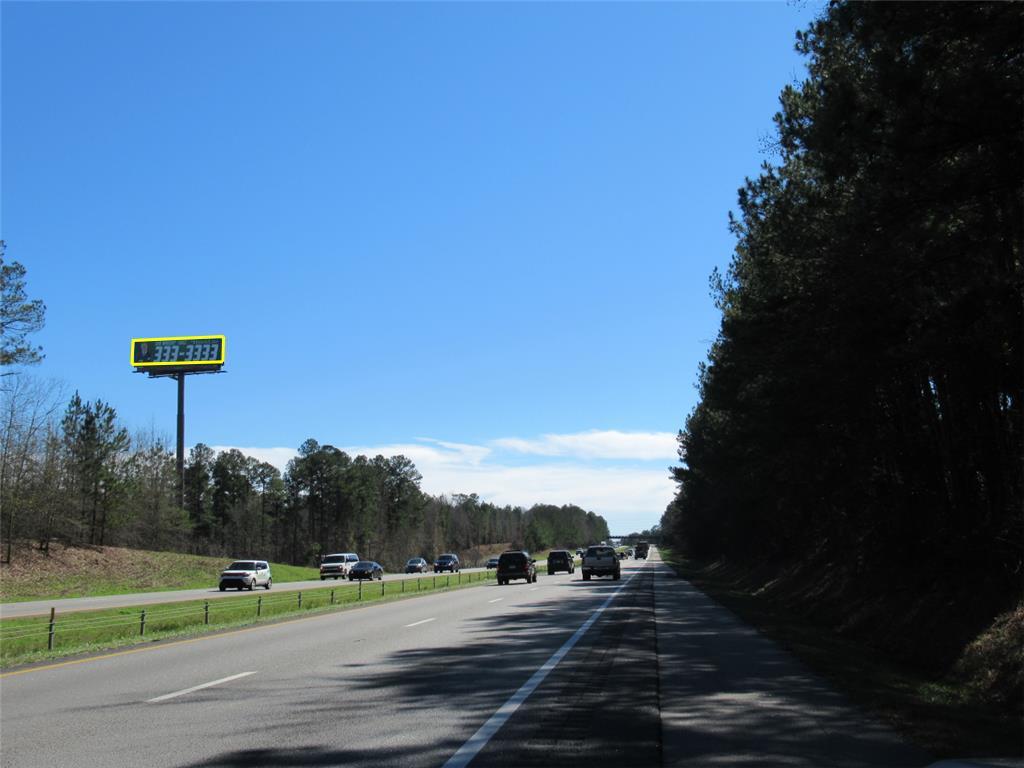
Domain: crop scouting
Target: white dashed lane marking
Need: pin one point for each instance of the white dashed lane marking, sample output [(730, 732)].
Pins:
[(174, 695)]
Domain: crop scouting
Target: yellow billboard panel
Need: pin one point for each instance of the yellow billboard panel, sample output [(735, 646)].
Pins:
[(179, 351)]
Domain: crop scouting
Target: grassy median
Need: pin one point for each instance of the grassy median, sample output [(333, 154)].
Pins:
[(28, 640)]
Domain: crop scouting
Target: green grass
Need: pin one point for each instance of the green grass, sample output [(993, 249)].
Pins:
[(24, 640), (117, 571), (935, 714)]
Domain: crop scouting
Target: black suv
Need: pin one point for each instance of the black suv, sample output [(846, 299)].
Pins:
[(448, 563), (560, 560), (516, 565)]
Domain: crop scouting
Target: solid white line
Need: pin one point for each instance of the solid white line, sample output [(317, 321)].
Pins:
[(417, 623), (534, 589), (479, 739), (198, 687), (495, 599)]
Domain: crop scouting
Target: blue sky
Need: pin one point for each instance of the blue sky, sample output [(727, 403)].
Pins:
[(476, 233)]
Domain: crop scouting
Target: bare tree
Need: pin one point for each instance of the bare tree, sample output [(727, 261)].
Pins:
[(27, 406)]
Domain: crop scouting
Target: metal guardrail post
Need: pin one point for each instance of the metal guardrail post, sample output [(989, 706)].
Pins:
[(382, 587), (403, 586), (53, 627), (259, 606), (300, 599), (360, 589), (332, 597), (206, 612), (142, 623), (435, 583)]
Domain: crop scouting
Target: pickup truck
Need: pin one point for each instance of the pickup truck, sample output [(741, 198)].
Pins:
[(600, 561)]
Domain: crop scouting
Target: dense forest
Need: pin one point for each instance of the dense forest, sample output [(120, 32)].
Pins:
[(77, 476), (860, 410)]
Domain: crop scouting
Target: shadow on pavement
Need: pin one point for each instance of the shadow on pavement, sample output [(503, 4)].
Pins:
[(307, 756), (731, 696)]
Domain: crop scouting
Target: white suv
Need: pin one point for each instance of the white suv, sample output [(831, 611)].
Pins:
[(246, 574), (338, 565)]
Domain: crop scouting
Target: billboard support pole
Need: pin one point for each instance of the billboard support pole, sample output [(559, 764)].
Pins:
[(181, 439), (175, 357)]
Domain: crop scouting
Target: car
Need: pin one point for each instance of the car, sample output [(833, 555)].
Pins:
[(366, 569), (246, 574), (561, 560), (337, 566), (623, 555), (516, 564), (492, 562), (579, 553), (417, 565), (448, 562)]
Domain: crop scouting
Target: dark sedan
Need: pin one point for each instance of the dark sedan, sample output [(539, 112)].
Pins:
[(448, 563), (417, 565), (366, 569)]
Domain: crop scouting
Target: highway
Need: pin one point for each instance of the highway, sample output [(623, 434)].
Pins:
[(75, 604), (645, 671)]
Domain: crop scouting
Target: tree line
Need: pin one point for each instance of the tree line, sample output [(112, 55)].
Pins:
[(77, 475), (861, 405)]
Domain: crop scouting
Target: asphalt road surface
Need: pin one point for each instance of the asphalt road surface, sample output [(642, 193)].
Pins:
[(645, 671), (74, 604)]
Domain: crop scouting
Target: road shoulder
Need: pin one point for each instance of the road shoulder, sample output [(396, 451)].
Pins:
[(730, 696)]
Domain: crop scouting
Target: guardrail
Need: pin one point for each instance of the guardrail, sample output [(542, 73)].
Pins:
[(24, 638)]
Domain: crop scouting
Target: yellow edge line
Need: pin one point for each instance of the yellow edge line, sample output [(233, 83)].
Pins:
[(211, 636)]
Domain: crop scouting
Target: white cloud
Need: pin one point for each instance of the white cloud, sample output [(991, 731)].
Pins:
[(428, 450), (629, 497), (598, 444)]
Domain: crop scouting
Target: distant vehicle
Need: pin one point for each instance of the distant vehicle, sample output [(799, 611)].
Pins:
[(579, 553), (246, 574), (338, 565), (366, 569), (560, 560), (623, 555), (417, 565), (448, 562), (641, 550), (516, 565), (492, 562), (601, 561)]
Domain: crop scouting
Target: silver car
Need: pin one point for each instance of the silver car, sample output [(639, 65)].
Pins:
[(246, 574)]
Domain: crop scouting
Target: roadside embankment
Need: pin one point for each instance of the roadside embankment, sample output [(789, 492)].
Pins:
[(942, 668), (90, 571)]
